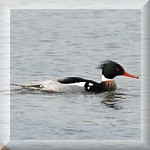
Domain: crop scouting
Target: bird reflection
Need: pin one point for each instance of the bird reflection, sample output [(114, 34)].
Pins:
[(110, 99)]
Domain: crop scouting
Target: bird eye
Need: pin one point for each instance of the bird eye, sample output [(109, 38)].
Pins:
[(118, 69)]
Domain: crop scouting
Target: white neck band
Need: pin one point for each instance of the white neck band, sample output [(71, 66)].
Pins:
[(105, 79)]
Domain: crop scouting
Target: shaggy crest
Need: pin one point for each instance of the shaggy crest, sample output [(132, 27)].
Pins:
[(101, 66)]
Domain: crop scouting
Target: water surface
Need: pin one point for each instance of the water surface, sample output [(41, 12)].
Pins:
[(47, 44)]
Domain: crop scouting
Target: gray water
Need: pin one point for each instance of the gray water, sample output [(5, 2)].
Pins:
[(47, 44)]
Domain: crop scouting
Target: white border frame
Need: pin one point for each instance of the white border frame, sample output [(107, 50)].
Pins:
[(142, 144)]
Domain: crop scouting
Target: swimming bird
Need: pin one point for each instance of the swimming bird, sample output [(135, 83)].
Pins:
[(110, 70)]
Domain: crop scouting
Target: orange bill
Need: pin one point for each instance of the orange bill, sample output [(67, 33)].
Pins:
[(129, 75)]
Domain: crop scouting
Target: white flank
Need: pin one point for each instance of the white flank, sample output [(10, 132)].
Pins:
[(78, 84), (54, 86)]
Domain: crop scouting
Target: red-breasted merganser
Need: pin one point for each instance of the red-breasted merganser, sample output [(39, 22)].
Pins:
[(110, 70)]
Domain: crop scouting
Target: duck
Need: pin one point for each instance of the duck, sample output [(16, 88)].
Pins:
[(110, 70)]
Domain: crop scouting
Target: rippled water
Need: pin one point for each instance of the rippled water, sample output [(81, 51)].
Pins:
[(47, 44)]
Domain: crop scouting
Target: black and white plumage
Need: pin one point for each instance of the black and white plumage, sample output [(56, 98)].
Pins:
[(110, 70), (68, 84)]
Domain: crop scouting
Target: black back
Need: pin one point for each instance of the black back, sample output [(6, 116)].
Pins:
[(69, 80), (90, 86)]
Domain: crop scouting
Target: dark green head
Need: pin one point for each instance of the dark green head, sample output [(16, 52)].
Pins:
[(111, 69)]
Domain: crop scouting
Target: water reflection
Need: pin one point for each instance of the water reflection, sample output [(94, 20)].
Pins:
[(110, 99)]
